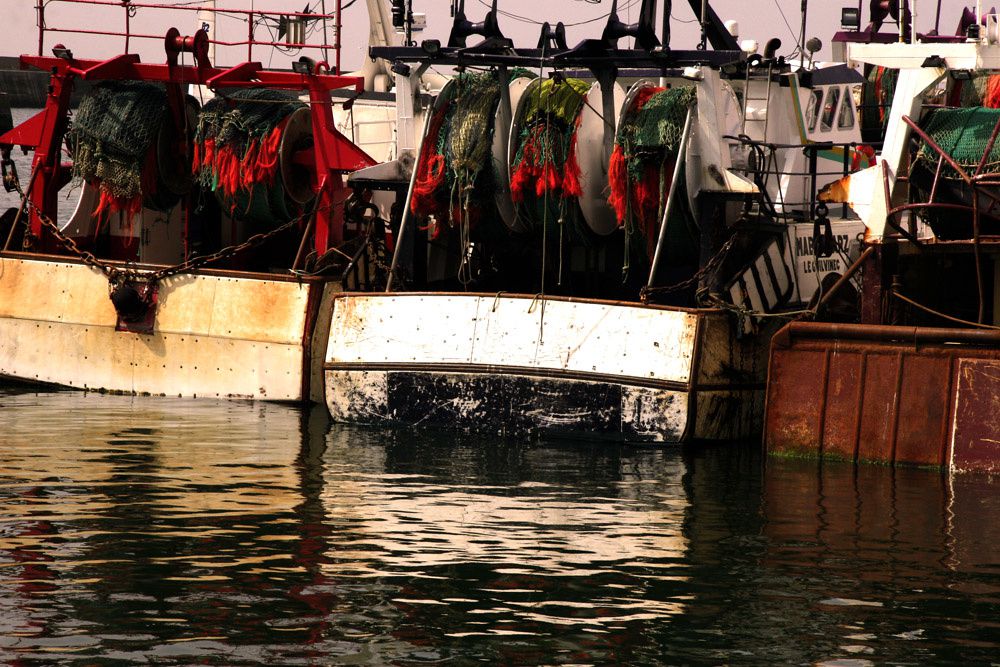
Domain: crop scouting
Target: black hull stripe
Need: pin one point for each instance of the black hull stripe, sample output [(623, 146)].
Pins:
[(559, 374)]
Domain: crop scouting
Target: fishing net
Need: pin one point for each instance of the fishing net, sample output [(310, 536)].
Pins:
[(640, 173), (236, 151), (545, 173), (112, 143), (455, 178), (982, 90), (964, 135), (876, 98)]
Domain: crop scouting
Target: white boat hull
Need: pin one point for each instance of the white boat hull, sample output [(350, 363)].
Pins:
[(524, 365)]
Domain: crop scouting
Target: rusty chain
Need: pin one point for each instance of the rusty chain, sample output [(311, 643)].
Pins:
[(117, 275), (710, 266)]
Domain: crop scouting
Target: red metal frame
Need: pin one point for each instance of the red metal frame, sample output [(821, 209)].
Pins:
[(129, 7), (332, 154)]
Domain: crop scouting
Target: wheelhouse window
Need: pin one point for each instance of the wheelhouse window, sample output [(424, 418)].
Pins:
[(845, 120), (812, 109), (829, 110)]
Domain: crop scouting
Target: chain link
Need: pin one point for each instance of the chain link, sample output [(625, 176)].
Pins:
[(693, 281), (118, 275)]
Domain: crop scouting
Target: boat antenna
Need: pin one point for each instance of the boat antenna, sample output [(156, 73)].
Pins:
[(704, 25), (667, 10), (802, 32)]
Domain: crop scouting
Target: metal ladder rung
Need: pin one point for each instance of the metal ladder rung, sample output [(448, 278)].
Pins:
[(748, 98)]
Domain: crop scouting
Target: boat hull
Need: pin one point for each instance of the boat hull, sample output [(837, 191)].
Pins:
[(522, 365), (920, 396), (215, 334)]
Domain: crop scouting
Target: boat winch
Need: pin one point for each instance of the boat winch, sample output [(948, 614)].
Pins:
[(245, 152), (457, 174), (545, 172)]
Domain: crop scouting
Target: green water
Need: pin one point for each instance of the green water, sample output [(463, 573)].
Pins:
[(158, 531)]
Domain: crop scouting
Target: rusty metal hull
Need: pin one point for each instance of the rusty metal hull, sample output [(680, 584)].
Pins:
[(525, 365), (922, 396), (216, 335)]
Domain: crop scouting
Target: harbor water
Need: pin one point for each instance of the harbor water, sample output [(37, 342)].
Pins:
[(169, 531), (67, 197)]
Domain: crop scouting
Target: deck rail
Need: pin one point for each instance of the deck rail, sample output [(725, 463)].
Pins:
[(287, 30), (766, 167)]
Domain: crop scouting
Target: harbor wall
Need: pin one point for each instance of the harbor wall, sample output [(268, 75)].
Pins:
[(27, 88)]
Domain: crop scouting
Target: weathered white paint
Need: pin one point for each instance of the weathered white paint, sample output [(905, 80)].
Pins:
[(594, 160), (709, 155), (810, 271), (657, 415), (358, 396), (630, 342), (865, 191), (213, 335), (964, 55), (318, 341)]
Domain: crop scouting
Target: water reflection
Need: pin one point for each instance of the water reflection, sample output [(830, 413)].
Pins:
[(188, 530)]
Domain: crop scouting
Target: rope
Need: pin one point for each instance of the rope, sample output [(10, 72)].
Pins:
[(931, 311)]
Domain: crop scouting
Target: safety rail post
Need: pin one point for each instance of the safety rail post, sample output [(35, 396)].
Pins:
[(40, 18), (338, 29), (250, 36), (813, 151), (847, 154)]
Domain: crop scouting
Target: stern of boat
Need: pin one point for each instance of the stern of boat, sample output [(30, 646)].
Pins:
[(523, 365)]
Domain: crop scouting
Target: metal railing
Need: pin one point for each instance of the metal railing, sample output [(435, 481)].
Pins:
[(767, 173), (293, 25)]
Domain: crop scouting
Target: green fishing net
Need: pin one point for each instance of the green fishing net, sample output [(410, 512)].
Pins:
[(112, 132)]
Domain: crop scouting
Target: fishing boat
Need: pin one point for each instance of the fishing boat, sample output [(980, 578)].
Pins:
[(210, 210), (911, 375), (595, 241)]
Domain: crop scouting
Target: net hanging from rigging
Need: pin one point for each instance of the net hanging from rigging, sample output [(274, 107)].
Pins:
[(113, 142), (545, 165), (640, 173)]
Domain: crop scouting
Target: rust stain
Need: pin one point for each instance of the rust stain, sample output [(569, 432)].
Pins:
[(904, 414)]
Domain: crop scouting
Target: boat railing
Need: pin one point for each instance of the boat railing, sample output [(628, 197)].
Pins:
[(767, 165), (286, 30)]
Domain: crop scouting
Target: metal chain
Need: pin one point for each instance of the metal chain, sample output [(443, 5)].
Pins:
[(117, 275), (693, 281)]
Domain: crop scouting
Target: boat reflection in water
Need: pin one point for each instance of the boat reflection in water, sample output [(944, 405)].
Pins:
[(163, 530)]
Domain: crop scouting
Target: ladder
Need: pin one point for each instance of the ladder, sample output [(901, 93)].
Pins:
[(751, 85)]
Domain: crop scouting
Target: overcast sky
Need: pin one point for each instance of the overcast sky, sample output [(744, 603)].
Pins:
[(758, 19)]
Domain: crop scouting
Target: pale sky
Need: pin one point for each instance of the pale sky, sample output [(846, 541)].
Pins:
[(758, 19)]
